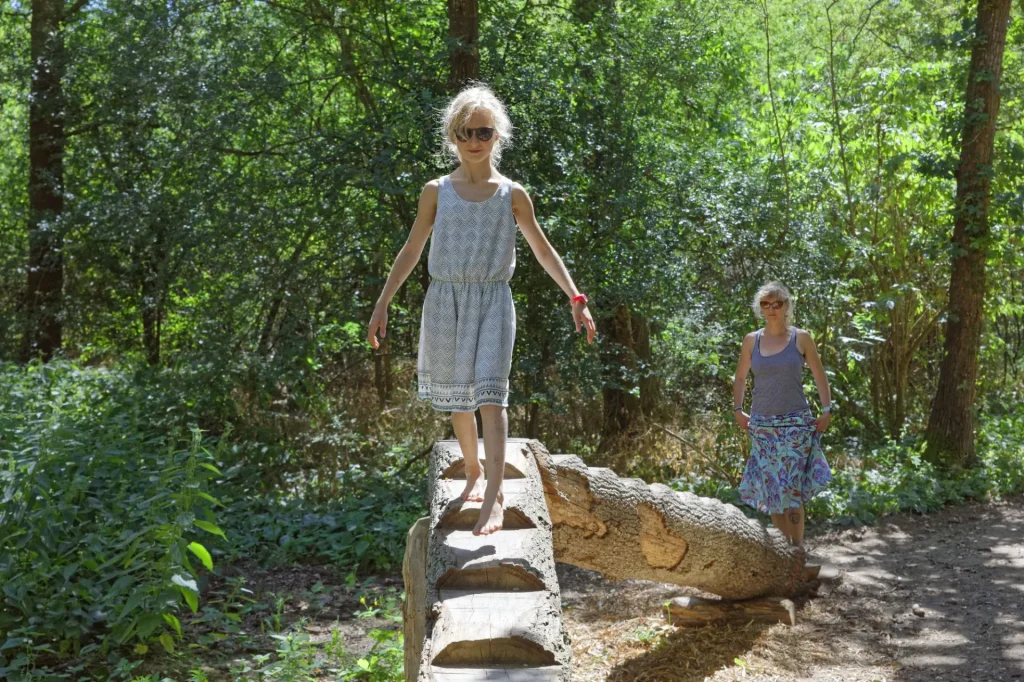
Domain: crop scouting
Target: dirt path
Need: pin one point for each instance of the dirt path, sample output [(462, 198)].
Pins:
[(924, 598)]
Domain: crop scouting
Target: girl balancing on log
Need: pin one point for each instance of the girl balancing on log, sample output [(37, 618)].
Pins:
[(786, 466), (469, 320)]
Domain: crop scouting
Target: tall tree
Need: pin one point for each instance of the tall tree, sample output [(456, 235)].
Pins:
[(463, 33), (43, 331), (950, 433)]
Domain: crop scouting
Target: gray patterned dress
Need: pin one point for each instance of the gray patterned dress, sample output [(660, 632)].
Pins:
[(469, 321)]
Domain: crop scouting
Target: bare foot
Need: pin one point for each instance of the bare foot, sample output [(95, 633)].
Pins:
[(492, 520), (474, 491)]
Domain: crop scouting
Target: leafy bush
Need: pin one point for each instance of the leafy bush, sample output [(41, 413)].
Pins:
[(103, 514), (895, 477), (364, 530)]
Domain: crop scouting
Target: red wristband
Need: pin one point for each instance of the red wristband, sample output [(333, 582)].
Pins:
[(580, 297)]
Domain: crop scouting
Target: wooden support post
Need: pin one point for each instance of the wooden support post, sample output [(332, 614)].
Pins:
[(694, 611), (414, 573)]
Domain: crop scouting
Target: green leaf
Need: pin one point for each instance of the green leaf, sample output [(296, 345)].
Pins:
[(173, 621), (147, 624), (186, 583), (207, 465), (137, 596), (210, 528), (168, 642), (363, 663), (210, 498), (203, 554), (191, 598), (13, 642)]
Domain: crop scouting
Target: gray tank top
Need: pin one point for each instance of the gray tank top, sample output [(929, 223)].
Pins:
[(778, 388)]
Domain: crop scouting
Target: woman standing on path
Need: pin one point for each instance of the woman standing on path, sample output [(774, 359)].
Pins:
[(469, 324), (786, 466)]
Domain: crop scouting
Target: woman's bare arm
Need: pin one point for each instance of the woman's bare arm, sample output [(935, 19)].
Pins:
[(806, 345), (739, 382)]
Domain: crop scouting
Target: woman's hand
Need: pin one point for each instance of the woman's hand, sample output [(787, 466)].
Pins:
[(742, 419), (581, 316), (379, 320), (822, 422)]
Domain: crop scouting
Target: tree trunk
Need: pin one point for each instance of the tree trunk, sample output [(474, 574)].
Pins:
[(43, 331), (463, 32), (950, 433), (537, 383), (623, 414), (382, 372), (152, 311)]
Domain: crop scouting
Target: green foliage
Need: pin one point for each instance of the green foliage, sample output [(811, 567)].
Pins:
[(895, 477), (296, 657), (364, 530), (100, 510)]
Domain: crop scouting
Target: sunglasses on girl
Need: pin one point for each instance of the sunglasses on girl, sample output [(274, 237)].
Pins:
[(482, 134), (774, 305)]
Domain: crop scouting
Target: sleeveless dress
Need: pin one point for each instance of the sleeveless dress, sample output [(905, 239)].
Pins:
[(469, 320), (786, 467)]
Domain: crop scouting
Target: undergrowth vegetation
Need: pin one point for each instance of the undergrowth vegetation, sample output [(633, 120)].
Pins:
[(123, 523)]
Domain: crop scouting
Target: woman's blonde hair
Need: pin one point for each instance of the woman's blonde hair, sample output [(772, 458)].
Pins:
[(776, 290), (475, 97)]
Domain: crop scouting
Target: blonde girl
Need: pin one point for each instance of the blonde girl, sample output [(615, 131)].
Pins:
[(469, 323)]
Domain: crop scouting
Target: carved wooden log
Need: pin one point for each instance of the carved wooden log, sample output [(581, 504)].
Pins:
[(624, 528), (488, 607), (492, 603)]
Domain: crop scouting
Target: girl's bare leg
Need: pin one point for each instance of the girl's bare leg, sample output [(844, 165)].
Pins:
[(495, 420), (465, 431)]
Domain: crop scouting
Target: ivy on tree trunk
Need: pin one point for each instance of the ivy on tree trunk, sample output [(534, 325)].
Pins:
[(950, 433)]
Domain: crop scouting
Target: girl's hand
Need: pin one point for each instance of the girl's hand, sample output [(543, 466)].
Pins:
[(379, 320), (823, 421), (742, 419), (581, 316)]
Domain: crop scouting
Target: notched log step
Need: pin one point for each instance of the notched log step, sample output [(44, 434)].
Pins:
[(459, 514), (550, 673), (495, 628), (452, 489), (508, 555), (495, 650), (508, 578), (464, 516), (516, 465)]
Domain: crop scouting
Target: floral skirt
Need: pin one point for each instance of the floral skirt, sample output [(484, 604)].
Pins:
[(786, 466)]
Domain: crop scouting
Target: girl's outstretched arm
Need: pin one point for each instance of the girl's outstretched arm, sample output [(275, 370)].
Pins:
[(522, 209), (405, 261)]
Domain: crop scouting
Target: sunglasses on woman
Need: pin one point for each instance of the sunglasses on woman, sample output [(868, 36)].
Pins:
[(482, 134), (774, 305)]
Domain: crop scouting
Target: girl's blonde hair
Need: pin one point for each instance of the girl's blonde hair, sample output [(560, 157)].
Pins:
[(776, 290), (476, 97)]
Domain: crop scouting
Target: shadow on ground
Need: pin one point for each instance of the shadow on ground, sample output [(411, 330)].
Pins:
[(923, 599)]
